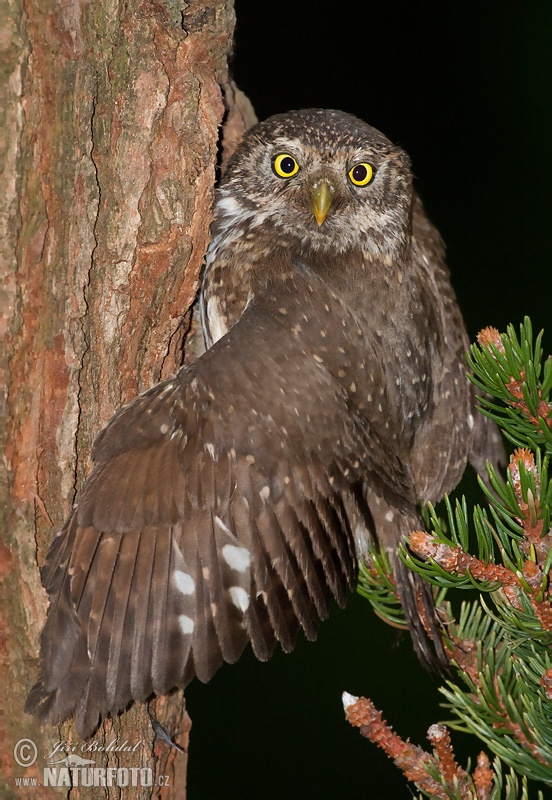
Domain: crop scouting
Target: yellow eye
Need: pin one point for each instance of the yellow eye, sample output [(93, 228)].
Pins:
[(285, 166), (361, 174)]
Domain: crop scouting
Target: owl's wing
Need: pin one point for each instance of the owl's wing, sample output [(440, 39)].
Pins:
[(216, 515), (455, 418)]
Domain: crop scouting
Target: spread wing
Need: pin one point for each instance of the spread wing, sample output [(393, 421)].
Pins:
[(220, 512)]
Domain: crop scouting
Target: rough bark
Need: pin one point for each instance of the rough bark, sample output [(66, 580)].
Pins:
[(111, 123)]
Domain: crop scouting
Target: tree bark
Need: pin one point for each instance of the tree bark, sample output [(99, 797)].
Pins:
[(111, 127)]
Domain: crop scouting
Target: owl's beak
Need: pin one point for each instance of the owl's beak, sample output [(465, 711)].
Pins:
[(322, 196)]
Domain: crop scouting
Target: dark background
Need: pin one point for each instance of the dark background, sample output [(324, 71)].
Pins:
[(466, 89)]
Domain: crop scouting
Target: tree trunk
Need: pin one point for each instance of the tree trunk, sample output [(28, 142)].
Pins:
[(111, 121)]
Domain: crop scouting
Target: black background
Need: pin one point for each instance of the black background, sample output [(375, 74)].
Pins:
[(466, 89)]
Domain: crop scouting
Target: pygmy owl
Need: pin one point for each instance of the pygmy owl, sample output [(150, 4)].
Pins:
[(229, 503)]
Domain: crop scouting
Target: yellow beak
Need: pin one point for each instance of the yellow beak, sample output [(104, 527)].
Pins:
[(322, 198)]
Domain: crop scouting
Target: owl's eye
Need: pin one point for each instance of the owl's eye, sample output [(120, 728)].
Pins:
[(361, 174), (285, 166)]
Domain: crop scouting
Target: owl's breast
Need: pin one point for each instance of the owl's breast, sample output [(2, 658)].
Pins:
[(388, 338), (373, 327), (373, 345)]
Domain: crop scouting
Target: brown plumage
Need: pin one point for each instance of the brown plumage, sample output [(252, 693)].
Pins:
[(229, 503)]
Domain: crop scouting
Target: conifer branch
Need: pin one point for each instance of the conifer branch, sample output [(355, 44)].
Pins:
[(500, 645)]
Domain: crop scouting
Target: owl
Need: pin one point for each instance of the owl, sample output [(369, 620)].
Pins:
[(230, 503)]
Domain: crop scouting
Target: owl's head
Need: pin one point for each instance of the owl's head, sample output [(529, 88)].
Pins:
[(321, 178)]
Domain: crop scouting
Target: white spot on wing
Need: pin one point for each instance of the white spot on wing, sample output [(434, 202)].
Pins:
[(238, 558), (470, 421), (186, 623), (239, 597), (223, 527), (183, 582)]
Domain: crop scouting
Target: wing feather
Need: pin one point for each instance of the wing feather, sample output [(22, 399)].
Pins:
[(141, 685), (122, 622), (201, 528)]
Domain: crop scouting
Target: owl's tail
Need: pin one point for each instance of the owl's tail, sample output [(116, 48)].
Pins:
[(389, 526), (422, 617)]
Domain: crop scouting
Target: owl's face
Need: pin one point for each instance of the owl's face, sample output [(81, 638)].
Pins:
[(323, 179)]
